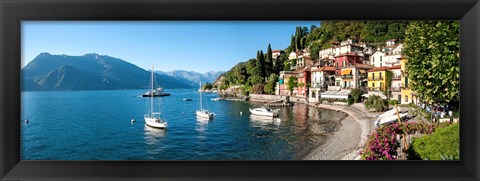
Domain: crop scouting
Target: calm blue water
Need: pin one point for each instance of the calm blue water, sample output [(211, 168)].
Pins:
[(95, 125)]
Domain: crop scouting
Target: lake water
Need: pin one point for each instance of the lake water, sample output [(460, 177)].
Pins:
[(95, 125)]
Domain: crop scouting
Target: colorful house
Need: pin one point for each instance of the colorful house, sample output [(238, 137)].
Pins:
[(407, 95), (377, 78), (303, 79), (283, 83), (321, 78), (355, 76)]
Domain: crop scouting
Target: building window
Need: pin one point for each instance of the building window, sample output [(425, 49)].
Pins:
[(380, 59), (406, 98)]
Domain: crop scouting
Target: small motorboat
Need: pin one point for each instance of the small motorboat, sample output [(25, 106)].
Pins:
[(217, 99), (187, 99), (264, 111)]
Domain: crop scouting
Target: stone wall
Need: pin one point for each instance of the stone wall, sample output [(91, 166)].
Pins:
[(268, 98)]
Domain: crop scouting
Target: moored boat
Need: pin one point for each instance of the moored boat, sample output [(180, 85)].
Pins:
[(264, 111), (158, 92), (152, 118), (203, 112)]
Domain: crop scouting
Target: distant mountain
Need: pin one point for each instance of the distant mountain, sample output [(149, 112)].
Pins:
[(88, 72), (193, 78)]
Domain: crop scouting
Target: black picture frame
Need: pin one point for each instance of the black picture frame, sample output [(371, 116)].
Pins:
[(12, 12)]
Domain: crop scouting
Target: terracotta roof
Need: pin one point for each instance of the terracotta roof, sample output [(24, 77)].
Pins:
[(395, 67), (325, 68), (393, 39), (276, 51), (378, 69), (363, 66)]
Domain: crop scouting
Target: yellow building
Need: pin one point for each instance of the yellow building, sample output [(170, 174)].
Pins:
[(377, 78), (408, 96)]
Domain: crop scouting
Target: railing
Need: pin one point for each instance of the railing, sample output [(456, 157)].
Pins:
[(316, 85), (375, 78), (347, 77)]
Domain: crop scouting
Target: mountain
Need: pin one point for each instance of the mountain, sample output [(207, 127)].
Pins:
[(193, 78), (48, 72)]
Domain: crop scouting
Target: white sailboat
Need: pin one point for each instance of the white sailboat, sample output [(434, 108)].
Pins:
[(152, 118), (203, 112)]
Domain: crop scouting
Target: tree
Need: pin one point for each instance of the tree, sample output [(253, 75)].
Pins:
[(207, 86), (269, 61), (432, 60), (270, 86), (292, 82), (375, 102)]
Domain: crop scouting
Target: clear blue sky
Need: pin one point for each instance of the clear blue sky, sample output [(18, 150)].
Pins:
[(170, 45)]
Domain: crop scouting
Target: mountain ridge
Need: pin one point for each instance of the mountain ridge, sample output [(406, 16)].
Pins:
[(47, 72)]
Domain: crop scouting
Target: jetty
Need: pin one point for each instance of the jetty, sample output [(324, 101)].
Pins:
[(279, 104)]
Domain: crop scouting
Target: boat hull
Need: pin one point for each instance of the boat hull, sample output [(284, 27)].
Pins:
[(156, 123), (270, 114), (204, 115)]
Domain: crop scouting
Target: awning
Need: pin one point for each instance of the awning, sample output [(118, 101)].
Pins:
[(347, 71), (362, 71)]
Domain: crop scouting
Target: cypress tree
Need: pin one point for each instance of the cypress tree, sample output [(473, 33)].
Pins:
[(269, 61)]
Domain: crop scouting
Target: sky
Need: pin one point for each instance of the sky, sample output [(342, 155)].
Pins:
[(199, 46)]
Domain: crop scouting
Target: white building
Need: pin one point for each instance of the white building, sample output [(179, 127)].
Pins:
[(320, 78), (396, 82), (377, 59)]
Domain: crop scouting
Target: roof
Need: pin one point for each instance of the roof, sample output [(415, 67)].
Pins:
[(348, 54), (393, 39), (302, 70), (362, 66), (276, 51), (395, 67), (326, 68), (378, 69)]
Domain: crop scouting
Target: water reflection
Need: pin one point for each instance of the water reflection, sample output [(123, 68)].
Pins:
[(202, 124), (153, 135), (264, 120)]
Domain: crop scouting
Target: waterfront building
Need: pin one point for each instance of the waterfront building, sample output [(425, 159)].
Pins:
[(321, 78), (283, 82), (396, 82), (376, 59), (303, 80), (345, 60), (355, 76), (377, 78), (347, 46)]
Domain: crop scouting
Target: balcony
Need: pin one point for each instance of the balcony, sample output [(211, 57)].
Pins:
[(347, 77), (375, 78), (395, 89)]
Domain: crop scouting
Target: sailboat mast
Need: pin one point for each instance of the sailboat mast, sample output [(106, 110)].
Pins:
[(201, 107), (151, 95)]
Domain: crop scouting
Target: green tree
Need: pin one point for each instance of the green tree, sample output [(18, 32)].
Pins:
[(269, 61), (272, 82), (261, 65), (375, 102), (433, 62), (292, 82)]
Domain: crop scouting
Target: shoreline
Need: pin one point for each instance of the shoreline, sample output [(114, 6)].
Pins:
[(352, 134)]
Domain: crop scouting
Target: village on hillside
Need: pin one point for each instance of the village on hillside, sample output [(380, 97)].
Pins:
[(370, 81), (345, 66)]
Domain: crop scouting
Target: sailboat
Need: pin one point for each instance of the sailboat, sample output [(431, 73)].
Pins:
[(152, 118), (203, 112)]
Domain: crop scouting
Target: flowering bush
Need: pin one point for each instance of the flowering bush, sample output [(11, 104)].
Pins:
[(382, 144)]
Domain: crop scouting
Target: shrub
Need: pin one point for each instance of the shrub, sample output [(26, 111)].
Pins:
[(443, 144), (356, 94), (375, 102), (392, 102), (350, 101)]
